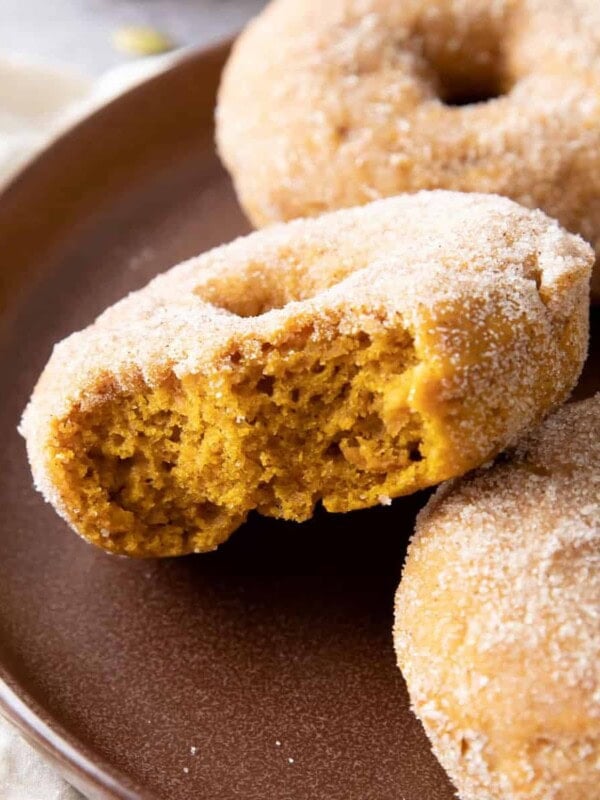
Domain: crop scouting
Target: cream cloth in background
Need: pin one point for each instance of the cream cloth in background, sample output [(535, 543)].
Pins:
[(33, 97), (36, 102), (23, 774)]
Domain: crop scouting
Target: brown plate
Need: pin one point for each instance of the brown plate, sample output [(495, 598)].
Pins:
[(264, 671)]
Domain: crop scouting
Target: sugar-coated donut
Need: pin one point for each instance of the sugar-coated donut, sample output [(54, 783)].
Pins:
[(498, 618), (348, 359), (331, 104)]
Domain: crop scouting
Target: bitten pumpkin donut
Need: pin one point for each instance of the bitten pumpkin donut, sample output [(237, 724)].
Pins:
[(348, 359), (331, 104), (497, 629)]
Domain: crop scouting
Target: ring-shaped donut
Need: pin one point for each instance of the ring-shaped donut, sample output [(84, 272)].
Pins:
[(325, 105), (497, 630), (347, 359)]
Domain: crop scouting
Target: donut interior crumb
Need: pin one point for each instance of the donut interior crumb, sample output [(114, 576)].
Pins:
[(346, 360), (301, 423)]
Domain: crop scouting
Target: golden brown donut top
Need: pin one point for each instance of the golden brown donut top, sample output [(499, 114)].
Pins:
[(325, 105), (413, 255)]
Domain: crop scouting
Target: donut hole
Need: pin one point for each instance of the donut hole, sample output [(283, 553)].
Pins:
[(466, 56), (480, 83), (250, 306), (249, 294), (257, 295), (470, 95), (259, 289)]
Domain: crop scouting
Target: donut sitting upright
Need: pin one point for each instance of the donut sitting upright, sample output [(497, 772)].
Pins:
[(353, 100)]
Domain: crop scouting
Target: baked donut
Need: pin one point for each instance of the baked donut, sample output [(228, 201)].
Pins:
[(497, 626), (353, 100), (348, 359)]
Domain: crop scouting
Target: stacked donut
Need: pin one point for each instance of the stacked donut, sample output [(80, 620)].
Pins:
[(353, 100), (376, 350)]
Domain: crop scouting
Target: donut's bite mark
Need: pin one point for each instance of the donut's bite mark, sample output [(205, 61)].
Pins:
[(279, 427)]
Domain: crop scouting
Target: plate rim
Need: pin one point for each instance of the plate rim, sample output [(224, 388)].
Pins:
[(54, 743), (86, 771), (87, 114)]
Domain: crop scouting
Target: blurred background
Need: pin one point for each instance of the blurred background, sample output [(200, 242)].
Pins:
[(85, 33), (60, 58)]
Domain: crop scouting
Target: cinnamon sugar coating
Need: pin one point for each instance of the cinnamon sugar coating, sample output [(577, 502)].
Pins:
[(346, 359), (325, 105), (497, 626)]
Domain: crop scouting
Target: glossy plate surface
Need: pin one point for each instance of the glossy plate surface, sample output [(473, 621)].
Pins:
[(263, 671)]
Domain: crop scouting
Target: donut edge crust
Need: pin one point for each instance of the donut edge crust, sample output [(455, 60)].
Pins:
[(349, 105), (496, 618), (454, 361)]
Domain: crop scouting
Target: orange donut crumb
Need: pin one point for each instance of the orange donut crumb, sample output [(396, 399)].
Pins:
[(347, 359)]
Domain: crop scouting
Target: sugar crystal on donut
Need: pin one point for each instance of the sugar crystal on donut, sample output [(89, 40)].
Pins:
[(345, 360), (353, 100), (497, 626)]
